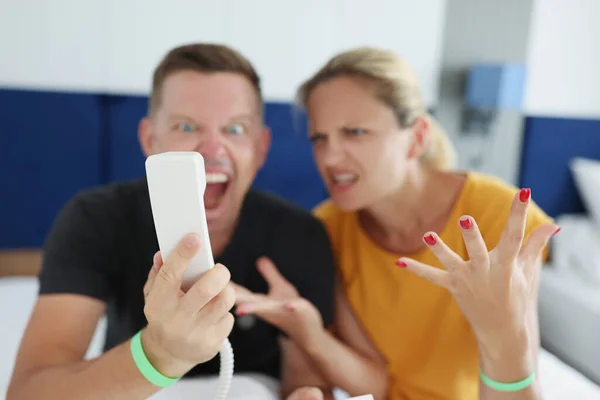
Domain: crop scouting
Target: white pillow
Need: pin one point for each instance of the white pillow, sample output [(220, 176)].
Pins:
[(586, 173)]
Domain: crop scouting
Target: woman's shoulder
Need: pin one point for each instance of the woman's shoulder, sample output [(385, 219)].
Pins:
[(329, 213), (488, 199), (485, 194), (338, 223), (488, 188), (325, 210)]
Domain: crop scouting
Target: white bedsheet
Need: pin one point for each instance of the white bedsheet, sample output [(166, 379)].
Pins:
[(561, 382), (17, 296)]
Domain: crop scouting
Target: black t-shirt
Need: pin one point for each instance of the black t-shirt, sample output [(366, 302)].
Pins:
[(103, 241)]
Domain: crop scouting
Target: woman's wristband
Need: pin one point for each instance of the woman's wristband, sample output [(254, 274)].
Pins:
[(508, 387), (145, 366)]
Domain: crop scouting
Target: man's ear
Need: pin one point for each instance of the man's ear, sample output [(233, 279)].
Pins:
[(420, 138), (145, 136), (264, 145)]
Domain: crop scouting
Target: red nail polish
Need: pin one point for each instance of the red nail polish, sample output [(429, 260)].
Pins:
[(430, 239), (466, 223), (524, 195), (401, 264), (240, 313), (290, 307), (557, 230)]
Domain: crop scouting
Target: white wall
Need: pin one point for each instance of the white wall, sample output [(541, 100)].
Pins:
[(113, 45), (564, 59)]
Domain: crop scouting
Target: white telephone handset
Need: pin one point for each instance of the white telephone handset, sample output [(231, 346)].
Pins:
[(176, 184)]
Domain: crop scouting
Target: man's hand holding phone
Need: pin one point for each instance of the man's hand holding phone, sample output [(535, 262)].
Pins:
[(185, 329)]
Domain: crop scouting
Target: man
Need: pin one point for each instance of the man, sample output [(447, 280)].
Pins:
[(98, 256)]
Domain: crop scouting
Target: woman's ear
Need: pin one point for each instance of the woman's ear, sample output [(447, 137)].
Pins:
[(421, 138)]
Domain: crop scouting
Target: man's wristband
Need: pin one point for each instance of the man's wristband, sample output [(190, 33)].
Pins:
[(145, 366)]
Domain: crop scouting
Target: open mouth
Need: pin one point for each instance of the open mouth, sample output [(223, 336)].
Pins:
[(216, 187), (343, 181)]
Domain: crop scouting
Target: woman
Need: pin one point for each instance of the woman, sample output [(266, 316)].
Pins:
[(428, 329)]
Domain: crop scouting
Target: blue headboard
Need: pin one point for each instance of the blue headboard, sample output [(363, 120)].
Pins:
[(53, 145), (49, 149), (549, 144)]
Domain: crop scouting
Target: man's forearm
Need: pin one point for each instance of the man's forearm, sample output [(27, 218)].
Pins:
[(346, 369), (509, 364), (112, 375)]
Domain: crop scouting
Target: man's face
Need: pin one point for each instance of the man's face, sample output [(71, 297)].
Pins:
[(217, 115)]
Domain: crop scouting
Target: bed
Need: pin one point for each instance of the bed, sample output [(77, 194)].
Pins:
[(17, 296), (560, 163)]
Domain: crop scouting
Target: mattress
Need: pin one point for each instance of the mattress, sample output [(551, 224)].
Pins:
[(561, 382), (17, 296), (569, 310)]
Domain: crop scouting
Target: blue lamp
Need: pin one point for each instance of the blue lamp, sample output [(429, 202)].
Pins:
[(490, 89)]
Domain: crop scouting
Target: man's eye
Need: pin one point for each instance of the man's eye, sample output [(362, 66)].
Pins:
[(355, 131), (236, 129), (186, 127), (315, 137)]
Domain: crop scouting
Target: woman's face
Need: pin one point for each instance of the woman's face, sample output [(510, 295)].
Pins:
[(359, 148)]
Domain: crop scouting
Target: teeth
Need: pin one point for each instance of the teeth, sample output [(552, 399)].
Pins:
[(216, 177), (344, 178)]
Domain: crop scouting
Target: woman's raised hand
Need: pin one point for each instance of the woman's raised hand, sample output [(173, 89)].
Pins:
[(494, 289), (282, 306)]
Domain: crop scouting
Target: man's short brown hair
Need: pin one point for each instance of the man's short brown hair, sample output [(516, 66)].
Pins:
[(206, 58)]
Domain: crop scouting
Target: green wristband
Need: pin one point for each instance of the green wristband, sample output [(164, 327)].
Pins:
[(145, 366), (508, 387)]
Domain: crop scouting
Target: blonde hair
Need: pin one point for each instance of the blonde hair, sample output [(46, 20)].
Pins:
[(394, 83)]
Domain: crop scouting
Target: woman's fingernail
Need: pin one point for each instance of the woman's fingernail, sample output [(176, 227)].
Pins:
[(240, 313), (466, 223), (524, 195), (290, 307), (556, 231), (401, 264), (430, 239)]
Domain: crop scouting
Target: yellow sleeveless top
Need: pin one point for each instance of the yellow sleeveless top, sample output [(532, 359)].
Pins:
[(429, 346)]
